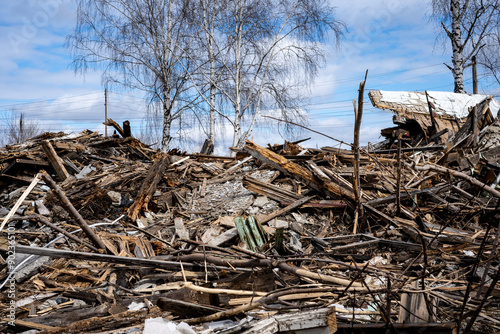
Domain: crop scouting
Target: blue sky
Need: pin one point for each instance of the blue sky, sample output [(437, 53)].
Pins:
[(394, 40)]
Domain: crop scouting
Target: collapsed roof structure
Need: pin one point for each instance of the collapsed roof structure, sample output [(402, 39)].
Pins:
[(438, 114)]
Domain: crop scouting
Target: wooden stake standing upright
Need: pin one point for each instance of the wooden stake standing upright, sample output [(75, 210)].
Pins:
[(358, 114), (398, 179)]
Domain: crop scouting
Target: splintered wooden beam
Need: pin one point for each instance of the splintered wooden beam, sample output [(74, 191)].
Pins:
[(148, 188), (55, 160), (290, 168), (27, 324), (117, 127)]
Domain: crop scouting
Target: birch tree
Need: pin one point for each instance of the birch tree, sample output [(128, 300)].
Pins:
[(468, 25), (138, 44), (271, 45), (206, 15), (262, 56)]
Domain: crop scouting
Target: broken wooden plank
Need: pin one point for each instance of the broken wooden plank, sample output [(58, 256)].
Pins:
[(301, 321), (322, 204), (266, 326), (224, 237), (245, 233), (21, 199), (28, 324), (270, 190), (251, 232), (292, 206), (184, 308)]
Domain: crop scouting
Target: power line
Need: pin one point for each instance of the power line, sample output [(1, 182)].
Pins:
[(46, 100), (376, 75)]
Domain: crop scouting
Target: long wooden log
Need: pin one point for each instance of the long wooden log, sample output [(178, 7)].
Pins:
[(358, 115), (59, 229), (132, 261), (72, 211), (187, 262), (290, 168)]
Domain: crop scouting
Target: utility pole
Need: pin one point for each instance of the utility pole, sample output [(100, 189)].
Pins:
[(105, 111), (474, 75), (21, 134)]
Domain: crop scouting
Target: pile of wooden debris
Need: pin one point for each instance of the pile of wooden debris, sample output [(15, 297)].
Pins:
[(109, 234)]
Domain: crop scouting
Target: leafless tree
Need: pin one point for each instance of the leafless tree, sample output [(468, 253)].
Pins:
[(17, 128), (489, 55), (233, 58), (262, 54), (470, 26), (138, 44)]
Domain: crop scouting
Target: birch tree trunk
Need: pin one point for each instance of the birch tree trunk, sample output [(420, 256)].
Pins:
[(457, 47), (209, 34), (238, 113), (167, 123), (166, 76)]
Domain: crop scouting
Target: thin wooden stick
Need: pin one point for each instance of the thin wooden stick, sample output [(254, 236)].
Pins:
[(309, 129), (21, 200), (398, 179), (56, 228)]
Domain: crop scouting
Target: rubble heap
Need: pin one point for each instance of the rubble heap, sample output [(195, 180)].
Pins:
[(112, 236)]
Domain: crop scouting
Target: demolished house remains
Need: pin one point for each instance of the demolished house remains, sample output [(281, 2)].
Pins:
[(112, 236)]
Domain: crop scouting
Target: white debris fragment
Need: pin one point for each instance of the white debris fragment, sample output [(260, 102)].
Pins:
[(469, 253), (136, 306), (378, 260), (158, 325)]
